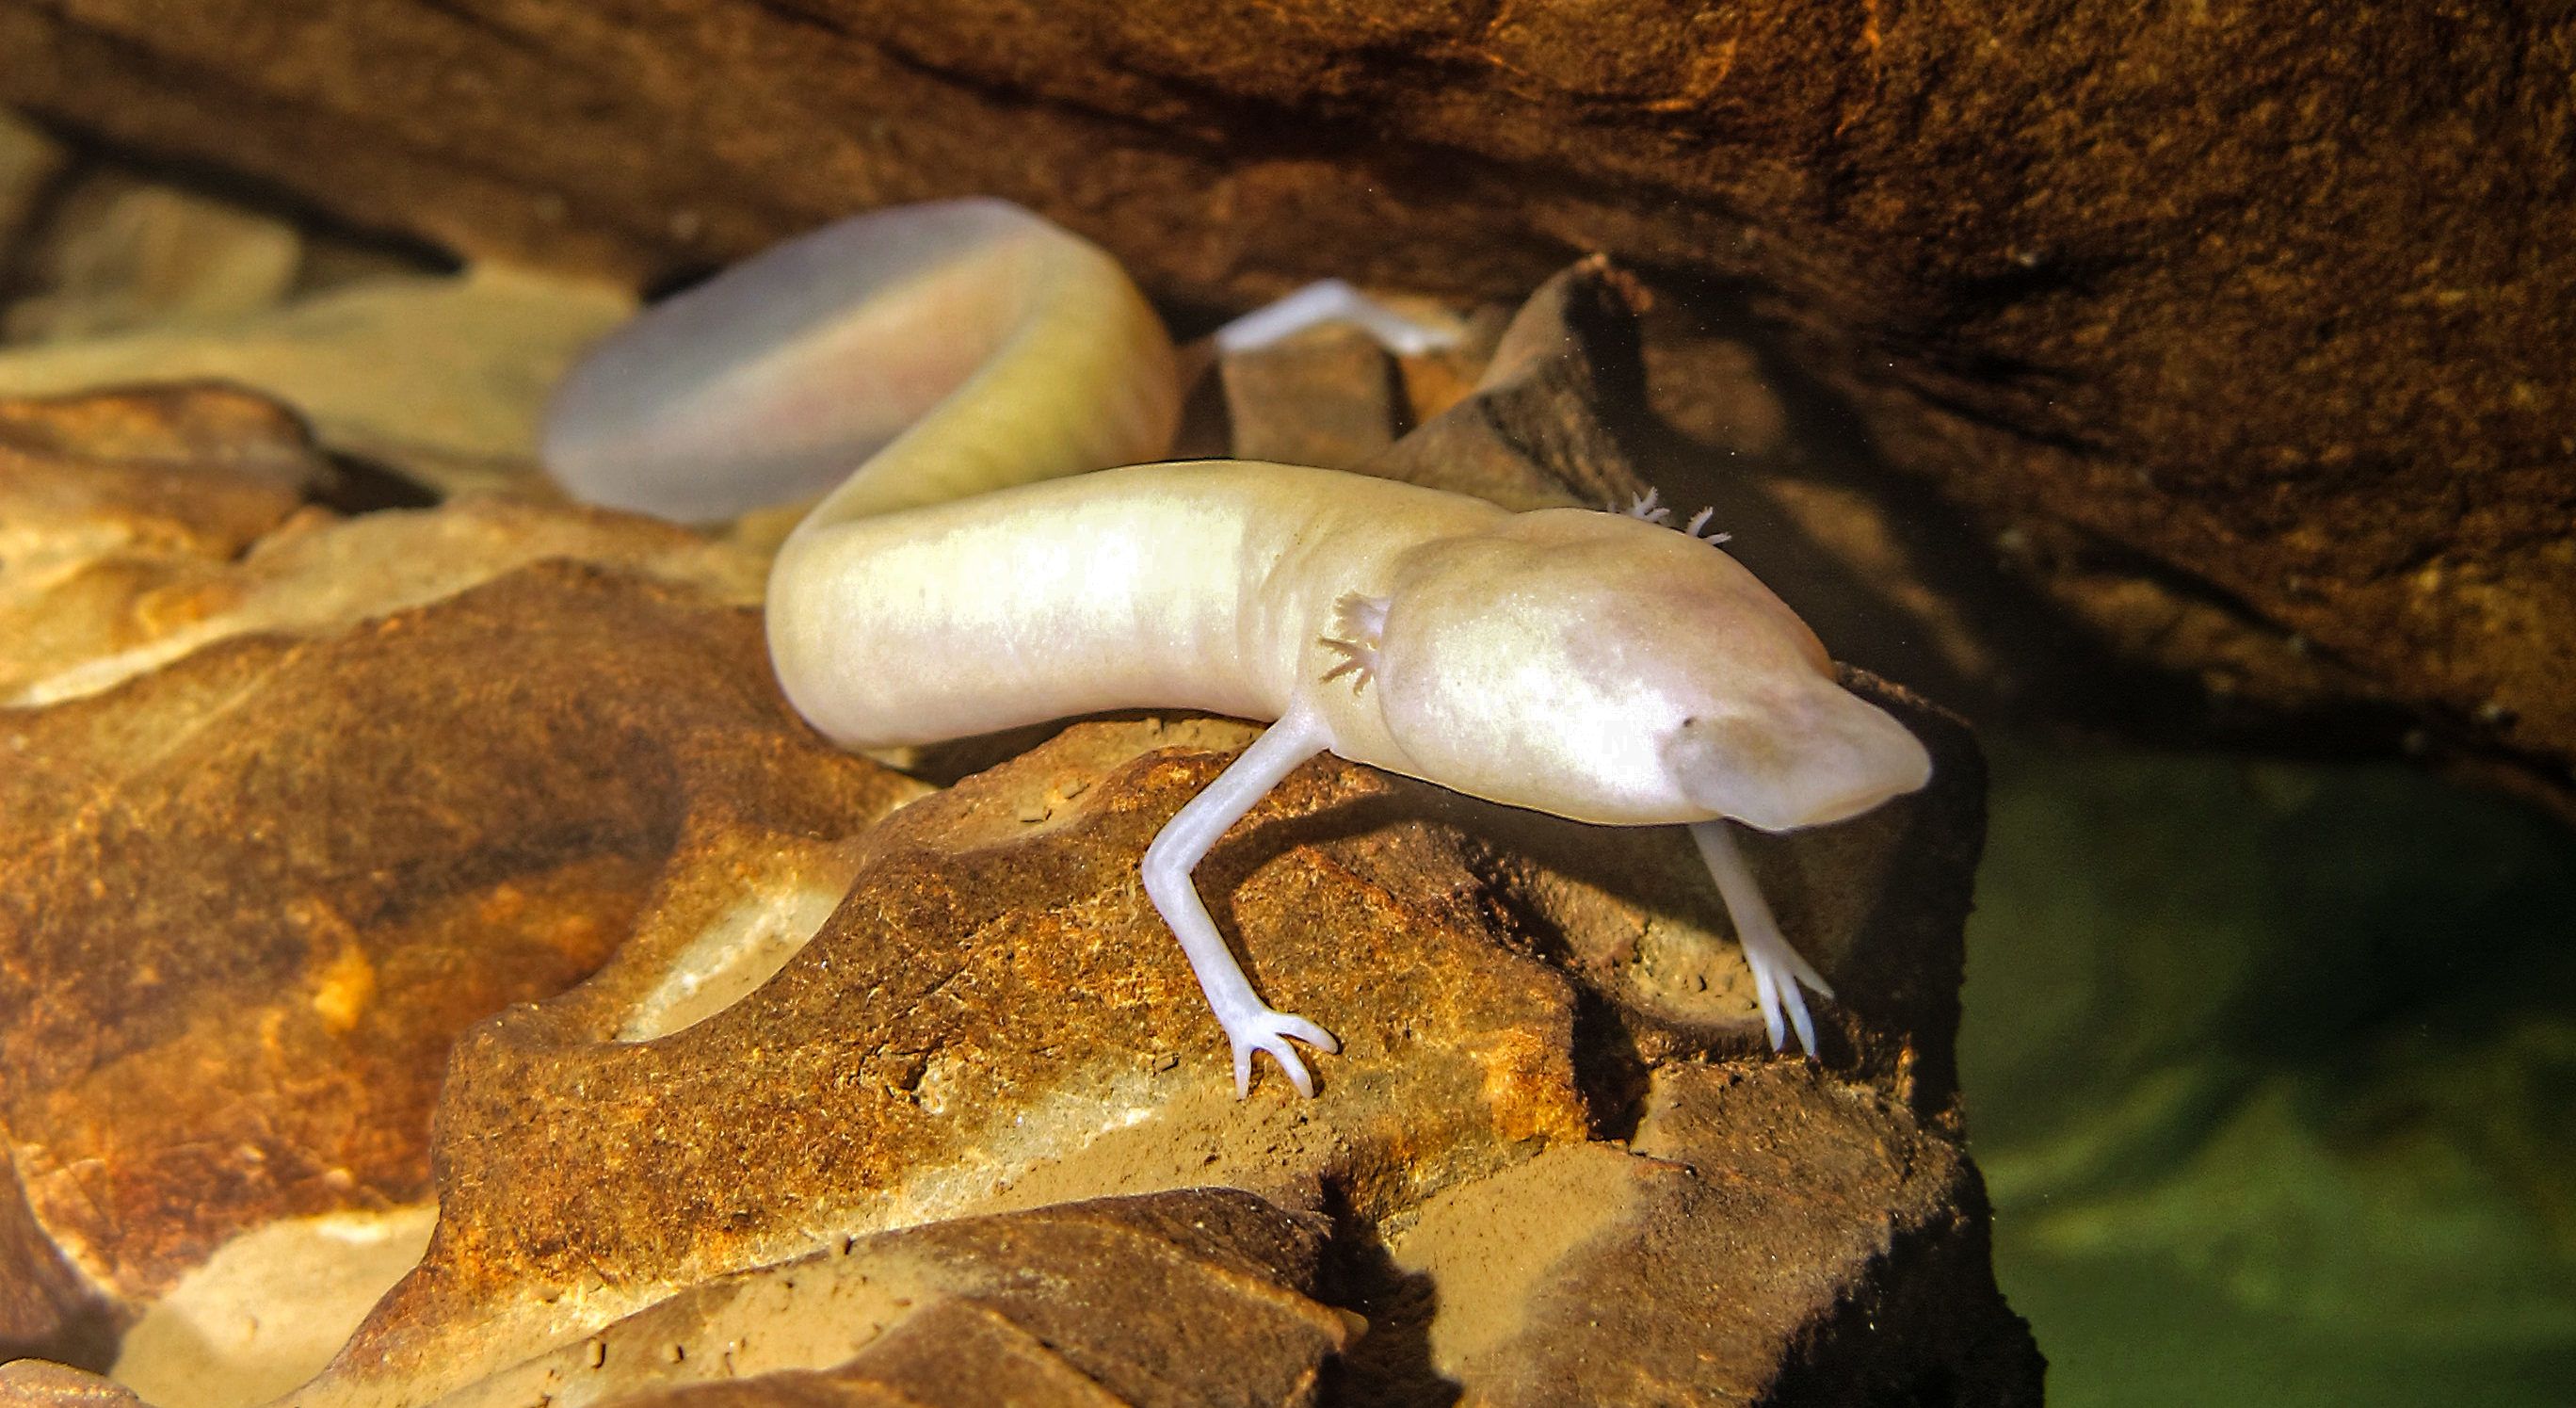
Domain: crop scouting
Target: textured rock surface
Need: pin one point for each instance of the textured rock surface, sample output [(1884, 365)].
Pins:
[(995, 1016), (947, 1139), (1199, 1296), (124, 252), (1675, 1263), (948, 1045), (438, 378), (138, 526), (32, 1383), (247, 901), (2250, 319), (112, 502)]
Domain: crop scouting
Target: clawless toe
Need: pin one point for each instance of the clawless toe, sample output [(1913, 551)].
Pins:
[(1276, 1033)]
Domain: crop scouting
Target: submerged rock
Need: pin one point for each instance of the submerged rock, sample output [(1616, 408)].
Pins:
[(248, 901), (121, 253), (436, 378), (1197, 1296), (138, 526)]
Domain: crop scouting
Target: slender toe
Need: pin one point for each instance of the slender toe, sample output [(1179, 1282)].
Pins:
[(1294, 1069), (1768, 988), (1807, 974), (1799, 1019)]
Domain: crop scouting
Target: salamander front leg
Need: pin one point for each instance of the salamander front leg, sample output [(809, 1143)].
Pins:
[(1249, 1024), (1777, 968)]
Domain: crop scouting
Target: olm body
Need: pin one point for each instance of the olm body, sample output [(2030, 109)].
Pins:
[(970, 388)]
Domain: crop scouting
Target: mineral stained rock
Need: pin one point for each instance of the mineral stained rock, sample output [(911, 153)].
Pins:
[(949, 1043), (112, 501), (137, 526), (1197, 1296), (439, 378), (35, 1383), (1685, 1230), (123, 251), (2256, 313), (248, 901)]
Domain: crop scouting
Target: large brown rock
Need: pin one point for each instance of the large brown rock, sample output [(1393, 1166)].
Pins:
[(2257, 313), (247, 902), (1182, 1298), (1716, 1259), (994, 1018), (436, 378), (139, 525)]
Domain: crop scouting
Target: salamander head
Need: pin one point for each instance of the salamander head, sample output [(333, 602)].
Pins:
[(1600, 667)]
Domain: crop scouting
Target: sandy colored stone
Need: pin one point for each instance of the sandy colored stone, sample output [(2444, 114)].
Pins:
[(1194, 1296), (318, 576), (111, 499), (31, 161), (209, 430), (2268, 301), (138, 526), (441, 378), (119, 253), (269, 1307), (186, 472), (1326, 397), (995, 1018), (1768, 1236), (250, 900), (35, 1383)]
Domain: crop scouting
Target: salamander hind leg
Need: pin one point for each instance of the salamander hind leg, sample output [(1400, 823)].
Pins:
[(1778, 969), (1250, 1024), (1333, 301)]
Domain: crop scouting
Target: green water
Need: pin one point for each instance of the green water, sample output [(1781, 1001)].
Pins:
[(2272, 1072)]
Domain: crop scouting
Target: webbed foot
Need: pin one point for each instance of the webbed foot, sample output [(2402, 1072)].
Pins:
[(1264, 1029)]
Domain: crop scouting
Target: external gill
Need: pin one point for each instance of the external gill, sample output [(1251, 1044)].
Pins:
[(1361, 620), (1648, 509)]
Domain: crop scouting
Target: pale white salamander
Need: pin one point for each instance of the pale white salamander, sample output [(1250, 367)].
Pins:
[(973, 361)]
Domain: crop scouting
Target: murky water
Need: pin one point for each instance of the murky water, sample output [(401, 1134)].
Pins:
[(2271, 1069)]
